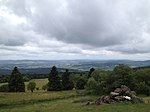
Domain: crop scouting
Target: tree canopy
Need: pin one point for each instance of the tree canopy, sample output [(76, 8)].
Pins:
[(54, 83), (67, 84), (16, 83)]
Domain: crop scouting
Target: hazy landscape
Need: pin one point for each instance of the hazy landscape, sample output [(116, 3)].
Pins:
[(43, 66), (74, 56)]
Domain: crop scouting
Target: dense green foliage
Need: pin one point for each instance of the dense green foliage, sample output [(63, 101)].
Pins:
[(103, 82), (96, 81), (90, 72), (142, 80), (97, 84), (31, 86), (4, 88), (54, 83), (67, 84), (4, 78), (16, 83), (45, 87), (80, 82), (123, 74)]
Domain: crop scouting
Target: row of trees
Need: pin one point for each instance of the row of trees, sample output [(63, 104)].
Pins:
[(103, 82), (96, 81), (16, 82), (56, 84)]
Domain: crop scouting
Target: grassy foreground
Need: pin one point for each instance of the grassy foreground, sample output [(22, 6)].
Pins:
[(63, 101)]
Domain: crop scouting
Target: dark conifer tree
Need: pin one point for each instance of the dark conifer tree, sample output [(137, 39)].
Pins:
[(16, 83), (67, 84), (90, 72), (54, 80)]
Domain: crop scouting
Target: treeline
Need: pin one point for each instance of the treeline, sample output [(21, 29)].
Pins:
[(27, 77), (103, 82), (57, 81), (96, 81)]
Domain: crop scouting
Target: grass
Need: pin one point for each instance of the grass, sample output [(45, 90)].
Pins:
[(62, 101), (68, 105), (8, 99)]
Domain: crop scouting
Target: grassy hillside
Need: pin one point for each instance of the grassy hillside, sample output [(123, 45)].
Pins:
[(65, 101), (62, 101)]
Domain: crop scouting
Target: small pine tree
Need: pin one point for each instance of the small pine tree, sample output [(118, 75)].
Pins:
[(54, 80), (16, 83), (67, 84), (90, 72)]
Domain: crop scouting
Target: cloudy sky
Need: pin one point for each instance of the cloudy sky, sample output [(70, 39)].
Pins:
[(75, 29)]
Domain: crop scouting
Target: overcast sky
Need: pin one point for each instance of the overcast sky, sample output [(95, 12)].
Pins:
[(75, 29)]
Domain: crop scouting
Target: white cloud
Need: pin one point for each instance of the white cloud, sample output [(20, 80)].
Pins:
[(74, 29)]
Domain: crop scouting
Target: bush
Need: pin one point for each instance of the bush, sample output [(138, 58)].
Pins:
[(37, 88), (123, 75), (91, 84), (31, 86), (95, 87), (44, 87), (80, 82), (4, 88), (142, 88)]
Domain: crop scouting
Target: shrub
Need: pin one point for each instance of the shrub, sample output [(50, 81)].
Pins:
[(91, 85), (44, 87), (4, 88), (31, 86), (142, 88), (80, 82), (95, 87)]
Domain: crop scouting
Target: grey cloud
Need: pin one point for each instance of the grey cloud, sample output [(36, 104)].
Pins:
[(129, 50), (112, 25), (95, 23), (19, 7), (11, 36)]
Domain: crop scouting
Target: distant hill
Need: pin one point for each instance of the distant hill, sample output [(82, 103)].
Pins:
[(33, 71), (139, 68), (43, 66)]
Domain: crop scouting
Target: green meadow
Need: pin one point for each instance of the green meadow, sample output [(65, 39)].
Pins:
[(62, 101)]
